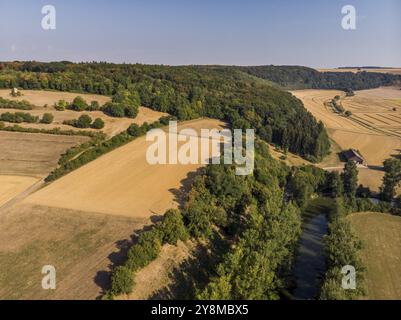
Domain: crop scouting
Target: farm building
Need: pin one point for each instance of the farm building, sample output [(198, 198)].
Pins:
[(353, 155)]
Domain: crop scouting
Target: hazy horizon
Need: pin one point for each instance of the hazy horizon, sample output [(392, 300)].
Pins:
[(178, 32)]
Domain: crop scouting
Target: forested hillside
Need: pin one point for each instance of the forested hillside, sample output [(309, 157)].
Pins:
[(297, 77), (187, 92)]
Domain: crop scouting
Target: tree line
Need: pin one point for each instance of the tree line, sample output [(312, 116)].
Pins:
[(297, 77), (185, 92)]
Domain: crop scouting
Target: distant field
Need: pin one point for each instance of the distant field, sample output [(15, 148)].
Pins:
[(41, 97), (354, 70), (112, 126), (32, 154), (374, 127), (122, 182), (381, 234)]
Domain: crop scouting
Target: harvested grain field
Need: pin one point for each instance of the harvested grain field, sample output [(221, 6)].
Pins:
[(11, 186), (83, 223), (32, 154), (381, 234), (355, 70), (42, 97), (122, 182), (80, 245), (374, 127)]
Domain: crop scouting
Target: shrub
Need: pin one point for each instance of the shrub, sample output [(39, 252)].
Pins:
[(98, 124), (94, 106), (172, 227), (131, 111), (114, 109), (11, 104), (134, 130), (121, 281), (348, 113), (147, 249), (79, 104), (83, 121), (19, 117), (61, 105), (47, 118)]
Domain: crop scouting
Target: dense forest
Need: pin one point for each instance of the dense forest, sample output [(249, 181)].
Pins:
[(297, 77), (187, 92)]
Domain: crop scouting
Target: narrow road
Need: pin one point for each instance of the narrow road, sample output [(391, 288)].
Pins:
[(22, 195)]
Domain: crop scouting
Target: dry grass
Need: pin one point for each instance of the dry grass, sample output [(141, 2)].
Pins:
[(157, 275), (81, 246), (290, 159), (64, 224), (112, 126), (42, 97), (122, 182), (355, 70), (381, 234), (32, 154), (11, 186), (39, 98)]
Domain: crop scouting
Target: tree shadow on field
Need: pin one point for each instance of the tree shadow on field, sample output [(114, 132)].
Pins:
[(118, 258), (194, 273), (180, 194)]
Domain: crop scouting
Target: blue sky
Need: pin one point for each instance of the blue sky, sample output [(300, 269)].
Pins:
[(247, 32)]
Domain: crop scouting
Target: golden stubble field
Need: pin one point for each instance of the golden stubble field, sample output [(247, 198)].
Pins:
[(381, 254), (122, 182), (355, 70), (26, 158), (83, 222), (374, 127)]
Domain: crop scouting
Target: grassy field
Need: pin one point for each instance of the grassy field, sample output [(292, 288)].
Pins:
[(290, 159), (41, 97), (80, 245), (10, 186), (381, 234), (32, 154)]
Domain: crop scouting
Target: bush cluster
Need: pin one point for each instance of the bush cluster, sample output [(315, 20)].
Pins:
[(12, 104), (84, 122), (169, 230)]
